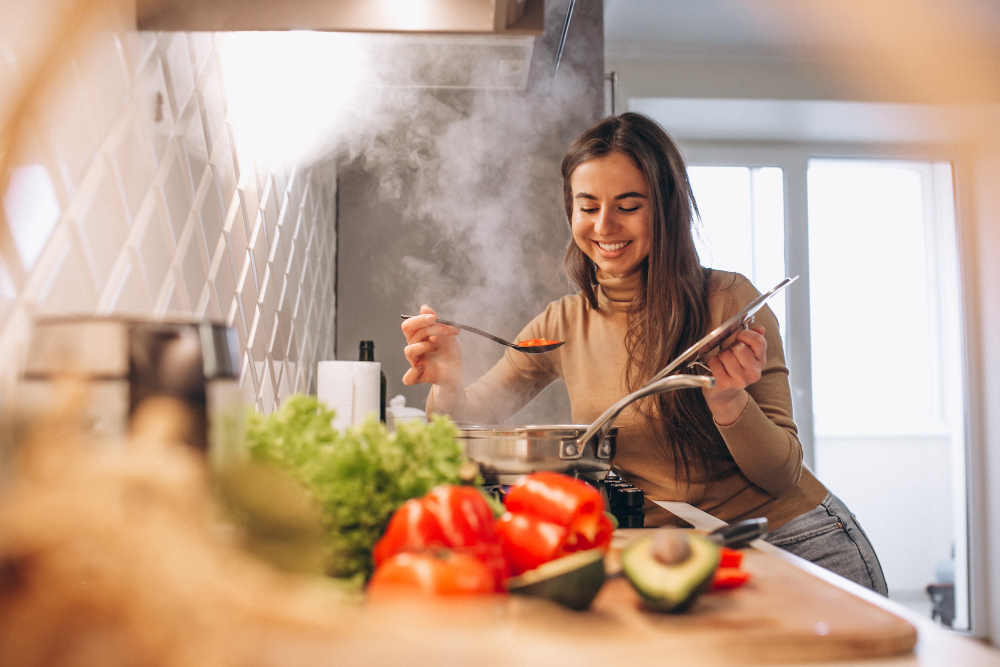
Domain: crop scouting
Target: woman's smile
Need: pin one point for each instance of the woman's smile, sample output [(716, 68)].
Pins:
[(612, 249), (611, 212)]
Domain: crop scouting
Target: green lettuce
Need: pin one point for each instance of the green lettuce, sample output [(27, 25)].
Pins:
[(357, 477)]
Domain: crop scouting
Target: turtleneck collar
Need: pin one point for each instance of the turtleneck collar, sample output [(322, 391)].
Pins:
[(616, 293)]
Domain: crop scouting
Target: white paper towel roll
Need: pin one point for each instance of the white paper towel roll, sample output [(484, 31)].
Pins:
[(351, 388)]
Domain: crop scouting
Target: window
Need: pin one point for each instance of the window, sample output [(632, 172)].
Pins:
[(876, 354), (743, 221), (887, 364)]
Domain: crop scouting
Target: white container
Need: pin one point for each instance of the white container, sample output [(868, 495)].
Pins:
[(351, 388), (397, 413)]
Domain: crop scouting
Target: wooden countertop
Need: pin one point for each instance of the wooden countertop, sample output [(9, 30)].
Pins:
[(770, 624), (936, 646)]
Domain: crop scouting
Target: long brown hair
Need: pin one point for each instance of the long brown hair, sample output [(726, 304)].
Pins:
[(671, 313)]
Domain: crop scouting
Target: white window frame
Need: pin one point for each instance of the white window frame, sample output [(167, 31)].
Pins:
[(793, 158)]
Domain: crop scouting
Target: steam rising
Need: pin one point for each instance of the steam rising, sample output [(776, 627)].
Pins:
[(477, 174), (473, 172)]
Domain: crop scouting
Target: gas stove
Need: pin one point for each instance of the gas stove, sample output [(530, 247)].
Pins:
[(622, 499)]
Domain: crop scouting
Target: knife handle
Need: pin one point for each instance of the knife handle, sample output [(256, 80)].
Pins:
[(739, 535)]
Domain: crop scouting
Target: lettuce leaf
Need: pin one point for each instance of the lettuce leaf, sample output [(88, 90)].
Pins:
[(357, 477)]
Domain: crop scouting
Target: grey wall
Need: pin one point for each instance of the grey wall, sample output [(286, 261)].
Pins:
[(457, 204)]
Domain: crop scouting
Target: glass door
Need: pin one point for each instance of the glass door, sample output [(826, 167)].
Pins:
[(883, 329), (887, 360)]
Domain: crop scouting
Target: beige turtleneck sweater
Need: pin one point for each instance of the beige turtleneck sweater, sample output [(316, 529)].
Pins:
[(765, 476)]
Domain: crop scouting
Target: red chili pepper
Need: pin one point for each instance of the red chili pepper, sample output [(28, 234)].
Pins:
[(729, 577), (438, 573), (528, 541), (562, 500), (456, 517), (730, 557)]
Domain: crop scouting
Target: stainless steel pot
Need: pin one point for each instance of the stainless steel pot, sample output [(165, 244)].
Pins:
[(125, 361), (505, 453)]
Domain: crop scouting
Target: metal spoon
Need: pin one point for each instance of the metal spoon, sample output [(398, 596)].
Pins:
[(527, 349)]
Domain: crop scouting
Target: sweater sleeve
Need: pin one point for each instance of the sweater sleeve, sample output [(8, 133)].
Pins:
[(764, 440), (512, 382)]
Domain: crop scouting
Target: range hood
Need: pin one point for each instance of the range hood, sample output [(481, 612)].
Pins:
[(482, 17)]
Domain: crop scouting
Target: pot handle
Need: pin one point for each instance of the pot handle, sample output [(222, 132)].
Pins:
[(605, 421)]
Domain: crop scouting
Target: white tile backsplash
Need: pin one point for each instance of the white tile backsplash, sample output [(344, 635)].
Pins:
[(159, 215)]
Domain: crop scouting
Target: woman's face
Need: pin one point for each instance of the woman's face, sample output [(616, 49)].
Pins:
[(611, 212)]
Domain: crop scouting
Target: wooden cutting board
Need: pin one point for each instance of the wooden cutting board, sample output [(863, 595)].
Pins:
[(782, 615)]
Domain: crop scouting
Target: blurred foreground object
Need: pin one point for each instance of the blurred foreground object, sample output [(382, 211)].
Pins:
[(126, 361), (358, 476), (117, 555)]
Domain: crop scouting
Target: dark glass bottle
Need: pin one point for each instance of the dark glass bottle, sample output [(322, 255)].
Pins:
[(368, 354)]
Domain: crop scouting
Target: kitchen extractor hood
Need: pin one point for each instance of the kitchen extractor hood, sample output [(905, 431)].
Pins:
[(503, 17), (450, 61)]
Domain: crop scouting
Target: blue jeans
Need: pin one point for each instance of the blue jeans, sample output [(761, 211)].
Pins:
[(831, 537)]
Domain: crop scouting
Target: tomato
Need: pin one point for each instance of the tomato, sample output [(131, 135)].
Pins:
[(528, 541), (561, 500), (729, 577), (445, 573), (730, 557), (455, 517)]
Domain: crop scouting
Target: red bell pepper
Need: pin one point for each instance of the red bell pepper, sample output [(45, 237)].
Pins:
[(528, 541), (455, 517), (602, 539), (730, 557), (413, 527), (561, 500), (468, 523), (729, 577), (437, 573)]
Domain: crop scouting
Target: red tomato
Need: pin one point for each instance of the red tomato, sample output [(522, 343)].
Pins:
[(730, 557), (561, 500), (445, 573), (729, 577), (528, 541)]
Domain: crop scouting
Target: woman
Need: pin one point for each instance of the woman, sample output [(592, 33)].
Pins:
[(731, 450)]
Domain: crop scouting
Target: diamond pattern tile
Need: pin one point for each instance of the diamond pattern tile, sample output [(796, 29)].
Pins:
[(103, 227), (177, 70), (132, 170), (106, 81), (163, 215)]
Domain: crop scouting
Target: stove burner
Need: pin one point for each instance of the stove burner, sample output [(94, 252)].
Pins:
[(623, 500)]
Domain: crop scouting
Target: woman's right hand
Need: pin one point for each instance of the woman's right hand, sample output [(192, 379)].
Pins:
[(433, 352)]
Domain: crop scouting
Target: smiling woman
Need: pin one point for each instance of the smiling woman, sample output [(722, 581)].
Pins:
[(732, 450), (610, 219)]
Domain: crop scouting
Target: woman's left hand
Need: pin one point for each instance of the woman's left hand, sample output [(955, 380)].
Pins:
[(736, 368)]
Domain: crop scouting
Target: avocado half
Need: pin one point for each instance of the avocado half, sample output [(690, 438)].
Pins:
[(670, 587), (572, 580)]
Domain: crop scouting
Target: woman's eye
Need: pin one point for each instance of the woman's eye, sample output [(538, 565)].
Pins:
[(628, 210), (590, 210)]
